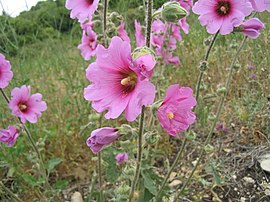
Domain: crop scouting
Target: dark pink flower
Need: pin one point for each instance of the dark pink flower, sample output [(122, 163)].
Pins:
[(145, 65), (122, 32), (252, 28), (101, 137), (260, 5), (9, 136), (5, 72), (117, 85), (26, 106), (222, 15), (175, 113), (82, 9), (140, 39), (89, 42), (121, 158)]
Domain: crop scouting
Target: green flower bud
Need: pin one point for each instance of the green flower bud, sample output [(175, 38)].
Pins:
[(141, 51), (209, 149), (126, 129), (173, 12), (211, 117), (203, 65), (221, 90), (237, 66), (191, 136), (123, 190), (151, 137)]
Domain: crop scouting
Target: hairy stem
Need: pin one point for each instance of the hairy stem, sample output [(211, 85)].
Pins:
[(9, 192), (220, 106), (179, 154)]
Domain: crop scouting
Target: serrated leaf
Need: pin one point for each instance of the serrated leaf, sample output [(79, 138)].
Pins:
[(149, 183)]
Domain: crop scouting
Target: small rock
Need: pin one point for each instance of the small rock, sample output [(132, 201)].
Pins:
[(243, 199), (175, 183), (76, 197), (249, 180), (265, 165)]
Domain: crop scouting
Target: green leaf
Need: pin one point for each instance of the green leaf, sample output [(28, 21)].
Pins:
[(149, 183), (52, 163)]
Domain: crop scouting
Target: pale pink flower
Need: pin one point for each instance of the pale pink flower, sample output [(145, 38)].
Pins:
[(222, 15), (5, 72), (140, 39), (9, 136), (252, 28), (117, 85), (26, 106), (176, 32), (184, 25), (175, 113), (82, 9), (121, 158), (101, 137), (89, 42), (158, 33), (260, 5), (122, 33), (186, 4)]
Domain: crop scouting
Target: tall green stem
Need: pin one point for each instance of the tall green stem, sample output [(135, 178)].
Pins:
[(220, 106), (179, 154), (140, 135), (200, 77), (105, 11)]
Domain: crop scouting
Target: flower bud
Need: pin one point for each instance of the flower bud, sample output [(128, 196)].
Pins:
[(141, 51), (221, 90), (203, 65), (151, 137), (126, 129), (237, 67), (173, 12), (209, 149), (123, 190)]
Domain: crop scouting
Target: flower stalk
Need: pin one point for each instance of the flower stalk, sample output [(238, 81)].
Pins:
[(141, 124), (220, 106), (9, 192)]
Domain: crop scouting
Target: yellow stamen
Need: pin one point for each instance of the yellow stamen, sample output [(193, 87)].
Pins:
[(170, 115), (22, 107), (126, 81)]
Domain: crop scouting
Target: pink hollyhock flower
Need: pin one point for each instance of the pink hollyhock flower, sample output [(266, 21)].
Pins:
[(101, 137), (145, 65), (89, 42), (82, 9), (252, 28), (186, 4), (116, 84), (172, 43), (140, 39), (121, 158), (175, 113), (176, 32), (222, 15), (122, 32), (184, 25), (9, 136), (260, 5), (5, 72), (158, 33), (26, 106)]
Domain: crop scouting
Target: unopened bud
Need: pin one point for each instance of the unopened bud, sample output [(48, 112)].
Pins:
[(237, 66), (141, 51), (221, 90), (151, 137), (173, 12), (209, 149), (203, 65)]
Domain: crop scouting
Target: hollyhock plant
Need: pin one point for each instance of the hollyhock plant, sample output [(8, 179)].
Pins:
[(117, 85), (145, 65), (82, 9), (122, 32), (121, 158), (89, 42), (222, 15), (26, 106), (260, 5), (252, 28), (175, 113), (5, 72), (9, 136), (101, 137)]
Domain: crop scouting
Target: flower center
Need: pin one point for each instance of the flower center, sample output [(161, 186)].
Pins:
[(223, 8), (23, 107), (129, 82), (90, 2), (170, 115)]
